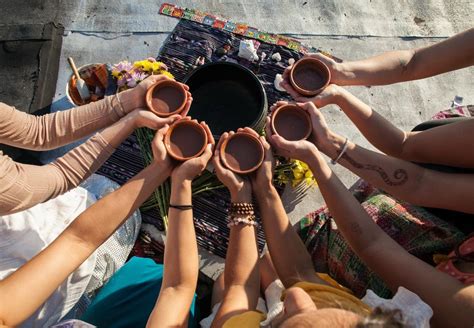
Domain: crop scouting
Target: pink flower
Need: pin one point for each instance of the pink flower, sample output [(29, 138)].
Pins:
[(123, 66), (135, 78)]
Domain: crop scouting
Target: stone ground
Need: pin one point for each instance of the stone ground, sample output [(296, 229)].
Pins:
[(105, 31)]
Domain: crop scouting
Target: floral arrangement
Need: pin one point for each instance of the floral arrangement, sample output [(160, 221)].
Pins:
[(128, 75)]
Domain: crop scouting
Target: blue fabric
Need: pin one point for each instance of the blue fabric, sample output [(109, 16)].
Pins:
[(129, 297)]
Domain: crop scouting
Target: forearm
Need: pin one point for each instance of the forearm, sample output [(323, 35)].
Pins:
[(387, 68), (290, 257), (23, 186), (399, 178), (27, 185), (181, 266), (54, 130), (241, 267), (181, 255), (406, 65), (79, 163), (353, 222), (73, 247), (379, 132)]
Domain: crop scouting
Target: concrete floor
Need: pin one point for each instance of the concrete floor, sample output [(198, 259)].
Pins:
[(104, 31)]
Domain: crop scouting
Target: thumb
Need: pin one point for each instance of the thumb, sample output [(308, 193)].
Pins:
[(160, 134), (171, 119)]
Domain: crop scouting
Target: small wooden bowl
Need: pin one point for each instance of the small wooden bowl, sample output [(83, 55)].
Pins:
[(185, 139), (166, 98), (309, 76), (242, 153), (291, 122)]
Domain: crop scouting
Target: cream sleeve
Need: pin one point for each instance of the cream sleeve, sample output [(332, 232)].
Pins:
[(22, 186), (57, 129)]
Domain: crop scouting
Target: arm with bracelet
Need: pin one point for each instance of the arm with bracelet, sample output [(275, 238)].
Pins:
[(181, 263), (400, 178), (241, 274), (451, 301), (29, 287)]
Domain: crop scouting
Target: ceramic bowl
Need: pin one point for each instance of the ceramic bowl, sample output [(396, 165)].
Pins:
[(185, 139), (95, 76), (227, 96), (242, 153), (309, 76), (291, 122), (166, 98)]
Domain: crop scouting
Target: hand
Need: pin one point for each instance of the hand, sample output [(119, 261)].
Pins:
[(321, 134), (303, 150), (239, 186), (135, 98), (140, 118), (329, 95), (191, 168), (160, 155), (262, 179)]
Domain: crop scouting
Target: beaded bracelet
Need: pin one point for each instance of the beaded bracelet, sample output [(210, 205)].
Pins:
[(242, 209), (234, 221)]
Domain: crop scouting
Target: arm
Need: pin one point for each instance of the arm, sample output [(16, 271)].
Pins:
[(290, 257), (241, 274), (445, 145), (57, 129), (24, 186), (450, 299), (47, 270), (400, 178), (451, 54), (405, 180), (181, 263)]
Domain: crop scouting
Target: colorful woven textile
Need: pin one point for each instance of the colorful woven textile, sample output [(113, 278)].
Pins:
[(414, 228)]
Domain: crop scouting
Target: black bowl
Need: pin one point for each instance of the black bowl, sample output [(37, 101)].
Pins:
[(227, 96)]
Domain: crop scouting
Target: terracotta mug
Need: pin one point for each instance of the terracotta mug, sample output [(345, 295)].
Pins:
[(291, 122), (185, 139), (242, 153), (309, 76), (166, 98)]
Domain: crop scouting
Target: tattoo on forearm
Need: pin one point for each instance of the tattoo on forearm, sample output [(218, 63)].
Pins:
[(400, 176)]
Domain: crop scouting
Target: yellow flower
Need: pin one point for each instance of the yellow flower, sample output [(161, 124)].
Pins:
[(166, 73), (144, 65), (116, 74), (297, 174), (300, 171), (155, 67)]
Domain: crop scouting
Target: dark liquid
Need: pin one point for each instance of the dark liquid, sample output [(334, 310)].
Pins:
[(242, 153), (290, 124), (308, 78), (167, 99), (186, 141), (225, 105)]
